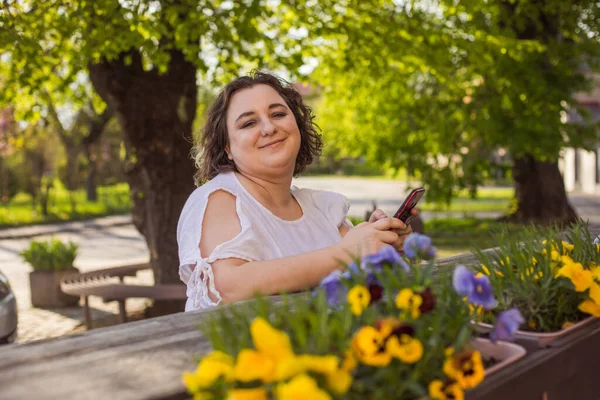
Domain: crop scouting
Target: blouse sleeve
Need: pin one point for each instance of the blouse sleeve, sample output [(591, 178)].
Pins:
[(195, 269), (333, 205)]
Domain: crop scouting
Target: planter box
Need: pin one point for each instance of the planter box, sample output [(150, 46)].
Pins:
[(45, 289), (504, 353), (543, 339)]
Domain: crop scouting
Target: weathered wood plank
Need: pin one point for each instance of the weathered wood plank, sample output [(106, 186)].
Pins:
[(71, 345), (144, 370)]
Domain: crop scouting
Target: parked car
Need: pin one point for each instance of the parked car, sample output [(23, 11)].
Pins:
[(8, 312)]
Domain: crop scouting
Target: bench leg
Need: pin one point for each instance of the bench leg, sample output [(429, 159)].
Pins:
[(86, 312), (122, 311)]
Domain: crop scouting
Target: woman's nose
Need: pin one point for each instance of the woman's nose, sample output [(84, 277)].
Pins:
[(268, 129)]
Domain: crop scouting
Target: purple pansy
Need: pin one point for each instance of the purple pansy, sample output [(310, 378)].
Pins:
[(352, 267), (334, 289), (387, 254), (478, 290), (506, 325), (419, 246)]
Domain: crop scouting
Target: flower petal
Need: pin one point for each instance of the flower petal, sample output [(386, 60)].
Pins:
[(462, 280)]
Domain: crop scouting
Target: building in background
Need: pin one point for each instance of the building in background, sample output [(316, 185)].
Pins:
[(581, 168)]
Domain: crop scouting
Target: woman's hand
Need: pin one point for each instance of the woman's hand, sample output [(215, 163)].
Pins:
[(367, 238), (403, 232)]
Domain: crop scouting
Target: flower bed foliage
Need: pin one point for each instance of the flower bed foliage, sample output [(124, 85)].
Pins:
[(554, 282), (383, 328)]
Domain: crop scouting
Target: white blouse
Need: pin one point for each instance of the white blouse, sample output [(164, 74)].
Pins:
[(263, 236)]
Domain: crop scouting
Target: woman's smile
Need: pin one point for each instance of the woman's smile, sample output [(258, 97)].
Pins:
[(273, 144)]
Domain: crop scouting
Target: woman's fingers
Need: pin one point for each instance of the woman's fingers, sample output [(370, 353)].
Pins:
[(377, 215), (414, 211), (388, 237), (403, 232), (385, 224)]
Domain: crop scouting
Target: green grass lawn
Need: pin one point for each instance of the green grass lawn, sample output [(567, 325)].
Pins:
[(20, 210), (488, 199), (453, 236)]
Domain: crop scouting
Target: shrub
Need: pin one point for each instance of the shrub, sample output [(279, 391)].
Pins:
[(52, 255)]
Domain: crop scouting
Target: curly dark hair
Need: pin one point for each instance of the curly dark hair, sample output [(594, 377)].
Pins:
[(209, 153)]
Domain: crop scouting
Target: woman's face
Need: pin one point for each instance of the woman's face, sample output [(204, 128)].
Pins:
[(263, 134)]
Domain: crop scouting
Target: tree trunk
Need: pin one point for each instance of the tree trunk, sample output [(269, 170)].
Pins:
[(45, 196), (96, 127), (72, 178), (156, 113), (540, 193), (92, 169)]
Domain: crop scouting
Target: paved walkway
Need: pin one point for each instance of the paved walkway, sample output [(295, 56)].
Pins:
[(113, 241)]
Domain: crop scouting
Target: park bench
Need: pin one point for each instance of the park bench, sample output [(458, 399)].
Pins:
[(109, 285)]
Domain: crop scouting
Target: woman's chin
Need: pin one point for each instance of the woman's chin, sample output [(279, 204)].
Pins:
[(280, 161)]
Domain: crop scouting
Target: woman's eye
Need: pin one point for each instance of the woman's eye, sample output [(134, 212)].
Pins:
[(248, 124), (279, 115)]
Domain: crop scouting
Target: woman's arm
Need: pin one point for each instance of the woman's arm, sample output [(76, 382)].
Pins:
[(237, 279)]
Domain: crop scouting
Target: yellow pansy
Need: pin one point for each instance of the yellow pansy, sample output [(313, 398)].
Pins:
[(566, 324), (369, 346), (531, 271), (269, 340), (349, 363), (595, 271), (485, 269), (203, 396), (339, 381), (590, 307), (466, 368), (386, 326), (405, 348), (477, 310), (306, 363), (595, 293), (248, 394), (567, 246), (300, 388), (439, 390), (359, 299), (410, 302), (566, 260), (554, 254), (581, 278), (532, 324), (252, 364), (319, 364), (212, 367)]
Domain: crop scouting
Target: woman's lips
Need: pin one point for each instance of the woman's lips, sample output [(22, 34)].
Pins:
[(273, 144)]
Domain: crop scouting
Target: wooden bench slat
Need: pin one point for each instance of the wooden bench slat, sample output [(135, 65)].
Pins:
[(108, 284)]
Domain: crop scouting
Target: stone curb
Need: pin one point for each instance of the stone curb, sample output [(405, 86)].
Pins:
[(26, 232)]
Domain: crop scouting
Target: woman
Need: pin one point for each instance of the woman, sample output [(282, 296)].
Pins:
[(247, 230)]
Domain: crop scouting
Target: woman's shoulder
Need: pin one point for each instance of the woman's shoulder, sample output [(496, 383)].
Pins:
[(199, 197), (331, 204), (320, 197), (224, 181)]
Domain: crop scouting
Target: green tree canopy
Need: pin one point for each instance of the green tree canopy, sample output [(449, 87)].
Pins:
[(436, 87)]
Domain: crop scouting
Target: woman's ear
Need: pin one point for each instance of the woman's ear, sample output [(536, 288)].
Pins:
[(229, 156)]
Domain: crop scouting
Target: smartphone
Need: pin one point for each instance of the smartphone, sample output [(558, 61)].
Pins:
[(404, 212)]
